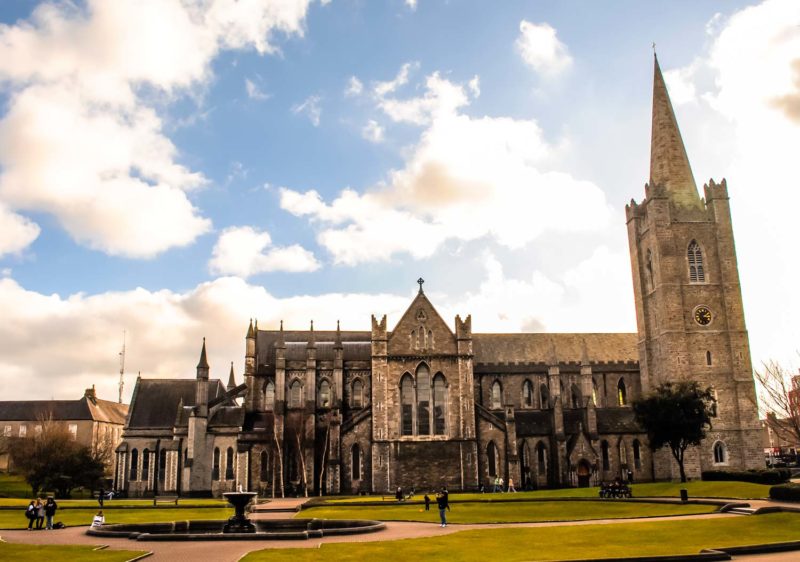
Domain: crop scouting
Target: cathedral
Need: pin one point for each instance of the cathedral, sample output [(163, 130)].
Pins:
[(422, 403)]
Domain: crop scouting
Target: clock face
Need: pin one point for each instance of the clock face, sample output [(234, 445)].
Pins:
[(702, 315)]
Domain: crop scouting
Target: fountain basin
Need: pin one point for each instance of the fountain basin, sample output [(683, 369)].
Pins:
[(212, 530)]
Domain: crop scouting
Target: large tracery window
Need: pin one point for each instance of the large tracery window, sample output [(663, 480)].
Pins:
[(269, 397), (439, 404), (423, 400), (407, 405), (296, 394), (697, 273), (622, 393), (491, 458)]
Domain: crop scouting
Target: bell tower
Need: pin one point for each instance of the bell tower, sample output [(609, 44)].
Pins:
[(689, 313)]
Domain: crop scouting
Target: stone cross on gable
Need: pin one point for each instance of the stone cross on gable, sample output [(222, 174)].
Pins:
[(420, 281)]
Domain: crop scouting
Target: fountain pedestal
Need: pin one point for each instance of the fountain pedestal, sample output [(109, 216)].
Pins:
[(239, 523)]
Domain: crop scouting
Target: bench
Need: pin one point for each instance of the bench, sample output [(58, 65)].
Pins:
[(165, 499), (393, 498)]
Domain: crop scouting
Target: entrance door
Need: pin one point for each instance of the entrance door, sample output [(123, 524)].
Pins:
[(584, 474)]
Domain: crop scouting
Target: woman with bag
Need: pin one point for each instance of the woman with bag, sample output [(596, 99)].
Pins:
[(30, 513)]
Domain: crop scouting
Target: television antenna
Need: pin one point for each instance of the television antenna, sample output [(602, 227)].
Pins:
[(122, 367)]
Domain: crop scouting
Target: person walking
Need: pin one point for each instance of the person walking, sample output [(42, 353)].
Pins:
[(50, 508), (500, 484), (30, 513), (39, 514), (511, 487), (496, 484), (442, 502), (427, 503)]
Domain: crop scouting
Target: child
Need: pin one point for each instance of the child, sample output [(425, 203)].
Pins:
[(427, 503), (99, 519)]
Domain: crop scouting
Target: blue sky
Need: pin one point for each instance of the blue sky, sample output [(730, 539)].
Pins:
[(173, 172)]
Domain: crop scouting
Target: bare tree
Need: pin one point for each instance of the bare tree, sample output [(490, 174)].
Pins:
[(779, 397), (323, 464), (279, 461)]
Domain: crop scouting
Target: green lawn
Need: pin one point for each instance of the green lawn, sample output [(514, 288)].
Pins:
[(15, 519), (110, 504), (475, 512), (12, 551), (560, 543), (13, 486), (696, 488)]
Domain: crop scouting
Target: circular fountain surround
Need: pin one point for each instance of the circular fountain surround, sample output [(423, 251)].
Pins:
[(272, 529)]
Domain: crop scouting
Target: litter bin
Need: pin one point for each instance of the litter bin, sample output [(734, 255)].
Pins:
[(684, 495)]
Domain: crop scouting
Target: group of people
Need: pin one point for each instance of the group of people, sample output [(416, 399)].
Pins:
[(615, 489), (442, 502), (499, 485), (37, 511)]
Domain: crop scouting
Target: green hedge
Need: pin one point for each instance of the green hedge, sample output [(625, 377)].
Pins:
[(785, 492), (773, 476)]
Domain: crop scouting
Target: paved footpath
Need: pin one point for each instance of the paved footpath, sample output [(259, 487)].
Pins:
[(232, 551)]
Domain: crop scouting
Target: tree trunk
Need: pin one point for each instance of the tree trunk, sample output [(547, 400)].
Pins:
[(324, 455), (678, 454), (279, 458), (302, 465)]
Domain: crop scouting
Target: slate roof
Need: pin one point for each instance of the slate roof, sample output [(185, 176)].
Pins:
[(616, 420), (155, 401), (81, 409), (228, 416), (357, 345), (533, 422), (538, 348)]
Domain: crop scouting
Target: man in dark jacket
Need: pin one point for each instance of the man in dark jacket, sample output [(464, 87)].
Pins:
[(50, 507), (442, 501)]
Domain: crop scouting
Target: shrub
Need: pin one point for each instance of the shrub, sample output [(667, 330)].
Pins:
[(774, 476), (785, 492)]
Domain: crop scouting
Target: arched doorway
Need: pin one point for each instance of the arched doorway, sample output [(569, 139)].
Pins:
[(584, 473), (525, 466)]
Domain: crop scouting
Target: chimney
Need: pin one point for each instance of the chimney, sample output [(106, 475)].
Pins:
[(91, 394)]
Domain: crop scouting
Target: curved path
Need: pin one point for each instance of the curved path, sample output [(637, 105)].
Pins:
[(232, 551)]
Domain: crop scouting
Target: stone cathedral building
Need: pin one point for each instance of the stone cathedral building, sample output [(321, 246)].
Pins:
[(423, 402)]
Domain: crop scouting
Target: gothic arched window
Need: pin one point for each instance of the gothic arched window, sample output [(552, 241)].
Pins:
[(162, 465), (491, 458), (357, 399), (146, 465), (594, 392), (720, 453), (696, 271), (527, 394), (439, 404), (134, 465), (215, 465), (423, 400), (356, 465), (648, 264), (296, 394), (269, 396), (637, 454), (229, 464), (324, 394), (545, 396), (430, 339), (407, 404), (575, 396), (622, 393), (604, 451), (497, 395), (263, 466), (541, 458)]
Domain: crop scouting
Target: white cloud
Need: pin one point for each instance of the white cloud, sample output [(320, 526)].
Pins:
[(412, 4), (381, 89), (254, 92), (475, 86), (310, 108), (541, 49), (372, 131), (680, 83), (465, 179), (354, 87), (82, 140), (165, 328), (755, 60), (18, 232), (245, 251)]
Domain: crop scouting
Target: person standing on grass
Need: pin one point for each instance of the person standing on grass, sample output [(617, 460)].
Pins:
[(30, 513), (39, 514), (444, 505), (50, 507), (511, 487), (100, 497), (427, 502)]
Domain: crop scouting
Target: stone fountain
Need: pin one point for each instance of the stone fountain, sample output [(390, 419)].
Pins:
[(239, 523)]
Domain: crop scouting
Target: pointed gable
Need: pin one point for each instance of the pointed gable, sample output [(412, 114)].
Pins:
[(669, 164), (421, 330)]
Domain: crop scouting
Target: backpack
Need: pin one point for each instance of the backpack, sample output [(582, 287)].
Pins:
[(58, 525), (30, 512)]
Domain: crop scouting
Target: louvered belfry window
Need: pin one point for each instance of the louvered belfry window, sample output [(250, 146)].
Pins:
[(697, 273)]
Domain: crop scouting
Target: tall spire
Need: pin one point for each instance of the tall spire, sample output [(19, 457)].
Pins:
[(203, 364), (250, 333), (231, 380), (669, 165)]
